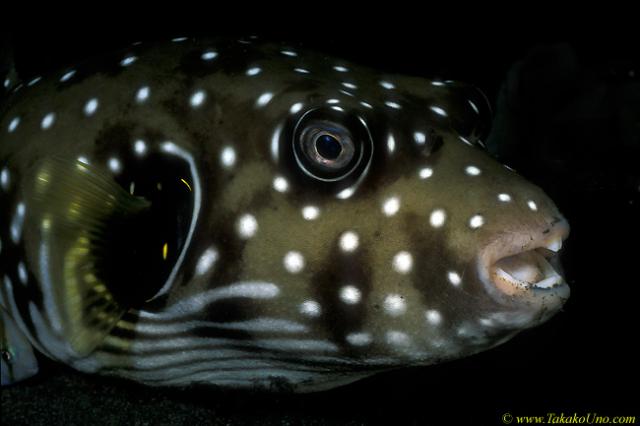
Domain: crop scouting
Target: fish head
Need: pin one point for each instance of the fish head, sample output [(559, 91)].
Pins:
[(368, 205)]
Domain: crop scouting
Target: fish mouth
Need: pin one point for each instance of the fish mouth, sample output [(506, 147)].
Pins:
[(526, 266)]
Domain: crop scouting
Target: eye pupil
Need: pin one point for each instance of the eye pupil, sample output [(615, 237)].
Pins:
[(328, 147)]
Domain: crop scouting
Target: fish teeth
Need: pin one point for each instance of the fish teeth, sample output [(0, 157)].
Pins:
[(548, 282), (554, 245), (507, 277)]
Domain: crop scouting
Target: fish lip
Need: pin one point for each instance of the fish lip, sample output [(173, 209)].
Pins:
[(532, 243)]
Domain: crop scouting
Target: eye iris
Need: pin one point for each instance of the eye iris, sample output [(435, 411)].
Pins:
[(328, 147)]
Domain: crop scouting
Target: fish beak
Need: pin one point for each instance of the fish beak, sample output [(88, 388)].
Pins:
[(525, 267)]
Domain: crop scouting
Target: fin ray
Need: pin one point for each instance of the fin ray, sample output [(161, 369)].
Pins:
[(74, 207)]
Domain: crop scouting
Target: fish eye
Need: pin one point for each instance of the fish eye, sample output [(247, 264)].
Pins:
[(329, 147)]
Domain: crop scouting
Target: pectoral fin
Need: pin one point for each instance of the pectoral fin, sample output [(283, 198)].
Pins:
[(77, 209)]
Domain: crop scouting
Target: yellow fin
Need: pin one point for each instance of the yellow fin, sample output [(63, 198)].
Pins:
[(75, 207)]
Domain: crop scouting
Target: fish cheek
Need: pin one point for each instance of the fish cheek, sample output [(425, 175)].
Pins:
[(431, 270), (339, 318)]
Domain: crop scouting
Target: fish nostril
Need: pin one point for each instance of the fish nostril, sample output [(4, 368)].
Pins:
[(556, 220)]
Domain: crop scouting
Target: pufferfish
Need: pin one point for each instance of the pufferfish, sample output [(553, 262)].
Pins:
[(245, 214)]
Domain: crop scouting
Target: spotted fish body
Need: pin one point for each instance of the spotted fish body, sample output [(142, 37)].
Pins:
[(243, 214)]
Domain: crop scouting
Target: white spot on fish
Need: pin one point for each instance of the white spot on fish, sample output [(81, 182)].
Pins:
[(247, 226), (310, 308), (7, 82), (346, 193), (474, 107), (253, 71), (84, 160), (393, 105), (349, 85), (91, 107), (340, 68), (264, 99), (391, 206), (437, 83), (310, 212), (198, 98), (465, 140), (4, 179), (359, 339), (391, 144), (366, 104), (472, 171), (532, 205), (394, 305), (438, 110), (34, 81), (22, 273), (476, 221), (13, 124), (142, 94), (16, 223), (67, 76), (403, 262), (337, 108), (140, 147), (420, 138), (433, 317), (289, 53), (350, 295), (349, 241), (206, 261), (179, 39), (505, 198), (454, 278), (114, 165), (486, 322), (209, 55), (295, 108), (425, 172), (128, 61), (228, 157), (387, 85), (397, 338), (333, 101), (48, 121), (294, 262), (437, 218), (301, 70), (280, 184)]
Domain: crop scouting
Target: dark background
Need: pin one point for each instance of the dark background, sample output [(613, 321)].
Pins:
[(569, 122)]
